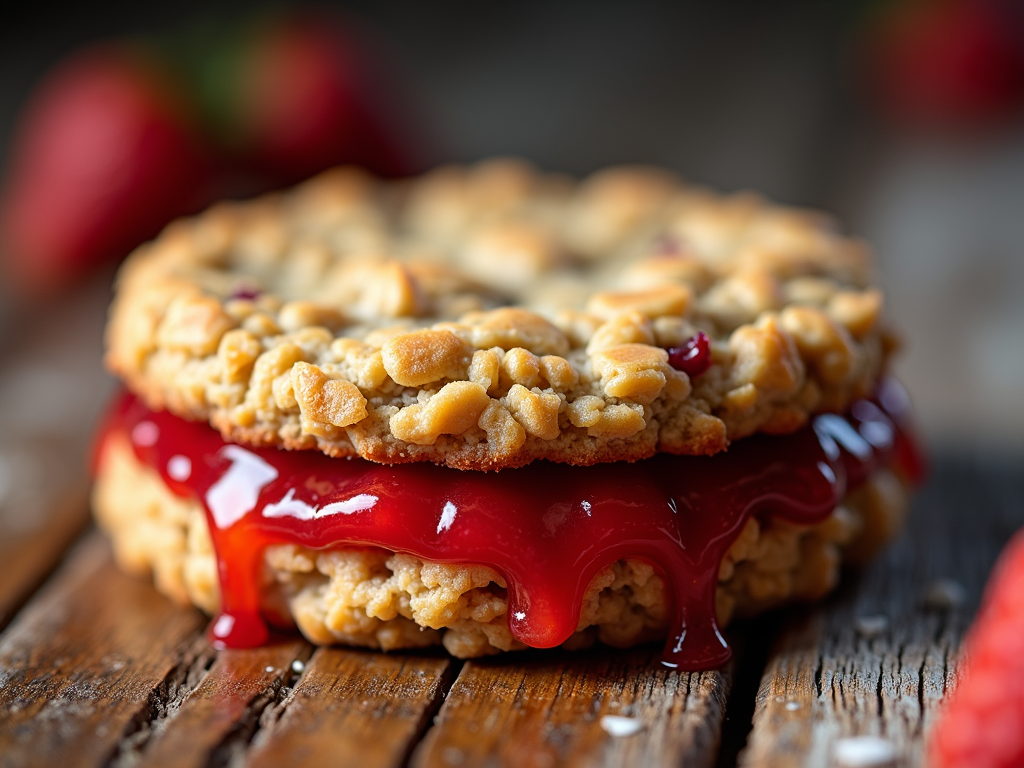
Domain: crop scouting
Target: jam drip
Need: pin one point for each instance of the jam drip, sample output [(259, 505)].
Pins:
[(546, 528)]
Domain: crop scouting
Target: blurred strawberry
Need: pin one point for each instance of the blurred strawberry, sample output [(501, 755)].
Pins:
[(291, 95), (948, 61), (118, 140), (102, 158), (981, 724)]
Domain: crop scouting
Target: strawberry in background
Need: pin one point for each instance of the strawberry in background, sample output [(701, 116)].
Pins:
[(982, 721), (119, 139), (103, 156), (947, 62), (290, 97)]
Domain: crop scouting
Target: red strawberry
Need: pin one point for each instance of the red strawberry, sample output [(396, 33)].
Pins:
[(982, 725), (102, 159), (949, 60), (293, 95), (106, 154)]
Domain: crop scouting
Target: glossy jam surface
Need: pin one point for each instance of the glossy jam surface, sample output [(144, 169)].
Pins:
[(547, 528), (694, 357)]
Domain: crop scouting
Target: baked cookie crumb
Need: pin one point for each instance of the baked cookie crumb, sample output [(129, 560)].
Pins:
[(487, 316)]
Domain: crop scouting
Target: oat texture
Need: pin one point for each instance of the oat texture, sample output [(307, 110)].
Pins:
[(380, 599), (486, 316)]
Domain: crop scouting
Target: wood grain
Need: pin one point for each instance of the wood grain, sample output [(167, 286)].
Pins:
[(354, 708), (100, 669), (839, 671), (29, 553), (51, 389), (80, 665), (547, 710), (215, 719)]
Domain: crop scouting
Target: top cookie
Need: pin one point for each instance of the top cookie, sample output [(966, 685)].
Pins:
[(484, 317)]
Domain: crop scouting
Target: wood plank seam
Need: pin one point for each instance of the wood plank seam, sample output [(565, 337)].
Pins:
[(430, 715), (261, 715), (164, 701), (77, 668), (549, 709), (355, 707), (752, 641)]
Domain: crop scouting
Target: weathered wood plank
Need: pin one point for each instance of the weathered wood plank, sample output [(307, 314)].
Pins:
[(353, 708), (101, 669), (30, 552), (553, 710), (215, 719), (51, 387), (80, 664), (878, 658)]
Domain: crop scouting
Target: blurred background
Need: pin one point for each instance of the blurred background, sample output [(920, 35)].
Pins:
[(904, 119)]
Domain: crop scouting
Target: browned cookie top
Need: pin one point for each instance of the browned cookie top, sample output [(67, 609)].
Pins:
[(486, 316)]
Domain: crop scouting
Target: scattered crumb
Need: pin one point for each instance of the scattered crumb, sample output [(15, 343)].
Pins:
[(870, 627), (298, 667), (944, 595), (865, 752), (617, 725), (792, 706), (269, 669), (453, 756)]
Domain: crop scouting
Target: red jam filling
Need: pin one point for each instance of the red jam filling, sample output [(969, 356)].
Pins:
[(546, 528), (694, 357)]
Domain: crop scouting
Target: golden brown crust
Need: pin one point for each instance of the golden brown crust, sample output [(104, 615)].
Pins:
[(371, 597), (366, 318)]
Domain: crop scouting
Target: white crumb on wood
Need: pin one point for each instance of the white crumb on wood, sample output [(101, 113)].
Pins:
[(870, 627), (617, 725), (865, 752), (944, 595)]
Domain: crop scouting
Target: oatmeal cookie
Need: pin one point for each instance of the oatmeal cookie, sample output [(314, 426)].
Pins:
[(483, 317), (380, 599)]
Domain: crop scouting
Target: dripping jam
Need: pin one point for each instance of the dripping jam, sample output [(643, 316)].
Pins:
[(546, 528)]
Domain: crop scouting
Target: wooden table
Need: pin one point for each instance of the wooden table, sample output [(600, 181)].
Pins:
[(97, 669)]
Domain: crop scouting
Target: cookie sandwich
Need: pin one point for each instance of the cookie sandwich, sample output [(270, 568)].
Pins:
[(496, 408)]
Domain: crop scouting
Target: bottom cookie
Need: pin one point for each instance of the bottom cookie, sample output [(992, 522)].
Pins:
[(372, 597)]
